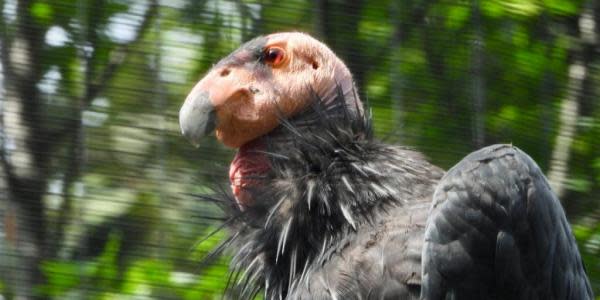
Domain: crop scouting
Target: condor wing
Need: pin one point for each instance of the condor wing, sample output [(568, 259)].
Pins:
[(497, 231)]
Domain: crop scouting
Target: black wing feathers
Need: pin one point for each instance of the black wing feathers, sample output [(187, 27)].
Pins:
[(497, 231)]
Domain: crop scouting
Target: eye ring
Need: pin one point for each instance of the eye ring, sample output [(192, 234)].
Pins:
[(273, 56)]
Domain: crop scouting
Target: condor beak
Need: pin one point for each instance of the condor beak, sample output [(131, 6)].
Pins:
[(197, 117), (211, 100)]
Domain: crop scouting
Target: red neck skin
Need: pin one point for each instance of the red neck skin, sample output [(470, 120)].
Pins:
[(249, 165)]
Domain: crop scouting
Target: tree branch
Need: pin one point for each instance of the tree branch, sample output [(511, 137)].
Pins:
[(98, 85), (118, 57), (73, 127), (71, 175)]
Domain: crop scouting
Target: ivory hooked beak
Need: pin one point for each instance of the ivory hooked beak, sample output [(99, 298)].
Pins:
[(197, 117)]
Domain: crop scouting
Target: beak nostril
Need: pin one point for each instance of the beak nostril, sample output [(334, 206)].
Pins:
[(225, 72)]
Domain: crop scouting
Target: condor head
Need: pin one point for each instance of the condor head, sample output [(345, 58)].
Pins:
[(246, 95)]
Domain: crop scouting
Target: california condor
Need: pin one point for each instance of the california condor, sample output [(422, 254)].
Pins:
[(322, 210)]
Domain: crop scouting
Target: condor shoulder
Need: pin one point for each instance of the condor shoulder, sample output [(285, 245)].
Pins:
[(379, 261), (497, 231)]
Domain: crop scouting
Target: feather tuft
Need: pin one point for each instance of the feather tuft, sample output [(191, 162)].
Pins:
[(328, 178)]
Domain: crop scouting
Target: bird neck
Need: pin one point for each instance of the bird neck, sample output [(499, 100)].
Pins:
[(321, 186), (328, 179)]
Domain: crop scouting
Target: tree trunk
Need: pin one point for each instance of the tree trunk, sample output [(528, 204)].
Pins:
[(24, 159), (29, 144), (569, 109)]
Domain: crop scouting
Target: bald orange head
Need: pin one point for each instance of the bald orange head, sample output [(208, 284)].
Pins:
[(246, 94)]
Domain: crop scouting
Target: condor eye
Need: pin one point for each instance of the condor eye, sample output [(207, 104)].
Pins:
[(273, 56)]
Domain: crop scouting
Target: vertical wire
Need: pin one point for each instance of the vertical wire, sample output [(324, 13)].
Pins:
[(396, 80), (477, 78), (6, 251), (82, 53), (161, 109)]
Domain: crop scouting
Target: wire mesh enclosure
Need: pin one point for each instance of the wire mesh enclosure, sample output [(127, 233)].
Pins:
[(102, 198)]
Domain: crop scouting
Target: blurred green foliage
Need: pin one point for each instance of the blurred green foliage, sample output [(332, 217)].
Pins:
[(122, 219), (102, 277)]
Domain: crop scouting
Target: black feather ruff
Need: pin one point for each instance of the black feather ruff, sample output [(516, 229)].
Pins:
[(328, 177)]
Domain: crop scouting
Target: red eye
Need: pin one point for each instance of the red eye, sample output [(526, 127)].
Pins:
[(273, 56)]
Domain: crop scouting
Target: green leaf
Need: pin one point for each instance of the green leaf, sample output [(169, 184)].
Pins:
[(581, 185), (596, 165), (42, 12), (146, 272), (211, 283), (61, 276), (458, 15), (205, 245), (562, 7), (519, 8), (492, 9), (106, 273), (522, 7)]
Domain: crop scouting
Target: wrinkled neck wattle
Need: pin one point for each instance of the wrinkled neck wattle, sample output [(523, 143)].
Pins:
[(247, 170)]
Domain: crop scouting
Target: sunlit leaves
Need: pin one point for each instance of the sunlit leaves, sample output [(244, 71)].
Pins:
[(529, 8), (42, 12), (146, 275), (588, 238), (457, 16), (64, 276), (563, 7)]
